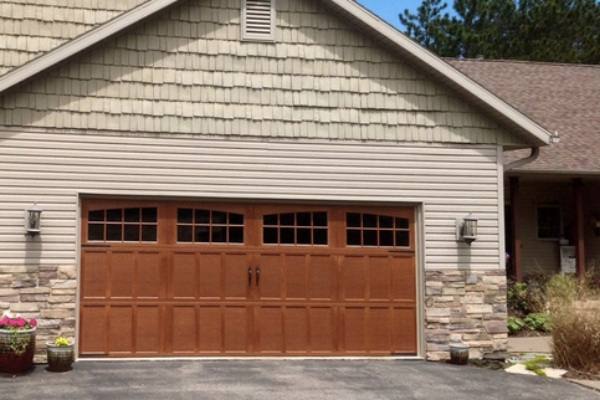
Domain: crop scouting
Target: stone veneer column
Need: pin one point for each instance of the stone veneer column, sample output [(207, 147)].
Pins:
[(46, 293), (467, 307)]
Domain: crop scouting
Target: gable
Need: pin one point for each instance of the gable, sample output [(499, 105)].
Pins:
[(29, 28), (188, 71)]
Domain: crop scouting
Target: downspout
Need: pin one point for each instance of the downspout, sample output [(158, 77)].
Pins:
[(535, 152)]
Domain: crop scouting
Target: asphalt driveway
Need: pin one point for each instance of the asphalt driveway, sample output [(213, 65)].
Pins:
[(293, 380)]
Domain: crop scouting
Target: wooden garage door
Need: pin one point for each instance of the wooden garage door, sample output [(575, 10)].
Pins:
[(197, 279)]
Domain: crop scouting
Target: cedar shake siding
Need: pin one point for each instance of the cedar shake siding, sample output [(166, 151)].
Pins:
[(188, 72)]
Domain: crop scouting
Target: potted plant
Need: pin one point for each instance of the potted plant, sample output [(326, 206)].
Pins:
[(17, 343), (60, 354)]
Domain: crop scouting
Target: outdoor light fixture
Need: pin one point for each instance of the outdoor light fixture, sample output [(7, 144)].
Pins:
[(466, 229), (33, 219)]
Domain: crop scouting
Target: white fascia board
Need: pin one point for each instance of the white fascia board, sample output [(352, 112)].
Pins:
[(446, 70), (81, 43)]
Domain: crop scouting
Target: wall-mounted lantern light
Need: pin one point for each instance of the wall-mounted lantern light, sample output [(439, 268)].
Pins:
[(466, 229), (33, 218)]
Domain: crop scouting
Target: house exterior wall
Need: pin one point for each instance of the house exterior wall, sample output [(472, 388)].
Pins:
[(29, 28), (189, 72), (446, 181), (180, 108), (541, 255)]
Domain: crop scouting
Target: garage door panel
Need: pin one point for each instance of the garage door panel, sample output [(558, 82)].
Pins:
[(404, 278), (296, 330), (94, 328), (183, 331), (404, 334), (379, 330), (322, 327), (122, 274), (322, 270), (184, 272), (211, 276), (94, 272), (147, 330), (379, 277), (295, 277), (353, 278), (236, 333), (269, 323), (355, 320), (148, 279), (210, 327), (270, 268), (120, 330), (236, 276)]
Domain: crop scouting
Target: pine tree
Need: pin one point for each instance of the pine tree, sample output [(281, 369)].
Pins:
[(534, 30)]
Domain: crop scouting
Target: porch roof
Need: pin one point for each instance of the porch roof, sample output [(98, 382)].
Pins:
[(563, 98)]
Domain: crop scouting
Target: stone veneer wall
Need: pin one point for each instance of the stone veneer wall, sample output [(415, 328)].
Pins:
[(46, 293), (468, 307)]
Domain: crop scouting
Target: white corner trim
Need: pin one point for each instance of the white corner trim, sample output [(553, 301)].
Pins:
[(81, 43), (445, 69)]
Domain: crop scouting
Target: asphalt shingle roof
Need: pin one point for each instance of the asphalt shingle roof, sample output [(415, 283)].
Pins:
[(563, 98)]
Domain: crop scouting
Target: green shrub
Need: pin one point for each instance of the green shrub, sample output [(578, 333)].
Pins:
[(539, 322), (516, 297), (525, 298), (515, 324)]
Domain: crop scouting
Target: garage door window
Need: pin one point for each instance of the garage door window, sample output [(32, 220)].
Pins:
[(209, 226), (303, 228), (132, 225), (371, 230)]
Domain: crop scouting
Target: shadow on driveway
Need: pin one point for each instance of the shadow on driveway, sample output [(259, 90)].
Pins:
[(290, 380)]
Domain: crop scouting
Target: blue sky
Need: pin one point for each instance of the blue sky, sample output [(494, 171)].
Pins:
[(388, 10)]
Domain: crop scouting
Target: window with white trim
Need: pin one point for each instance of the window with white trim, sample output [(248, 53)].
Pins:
[(258, 20)]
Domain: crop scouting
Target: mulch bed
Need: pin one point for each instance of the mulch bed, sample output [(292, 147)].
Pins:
[(582, 376)]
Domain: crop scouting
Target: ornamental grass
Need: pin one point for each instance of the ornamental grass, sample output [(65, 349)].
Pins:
[(574, 309)]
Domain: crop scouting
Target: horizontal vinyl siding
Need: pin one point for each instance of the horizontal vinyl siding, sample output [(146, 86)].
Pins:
[(52, 169)]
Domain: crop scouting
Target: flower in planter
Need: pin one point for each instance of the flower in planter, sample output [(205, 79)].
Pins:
[(15, 324), (62, 341)]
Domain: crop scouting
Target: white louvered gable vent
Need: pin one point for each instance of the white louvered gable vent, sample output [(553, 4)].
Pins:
[(258, 20)]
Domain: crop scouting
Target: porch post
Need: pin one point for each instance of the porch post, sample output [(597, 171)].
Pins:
[(579, 227), (515, 231)]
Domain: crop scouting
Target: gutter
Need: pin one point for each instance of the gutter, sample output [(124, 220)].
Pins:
[(535, 152)]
